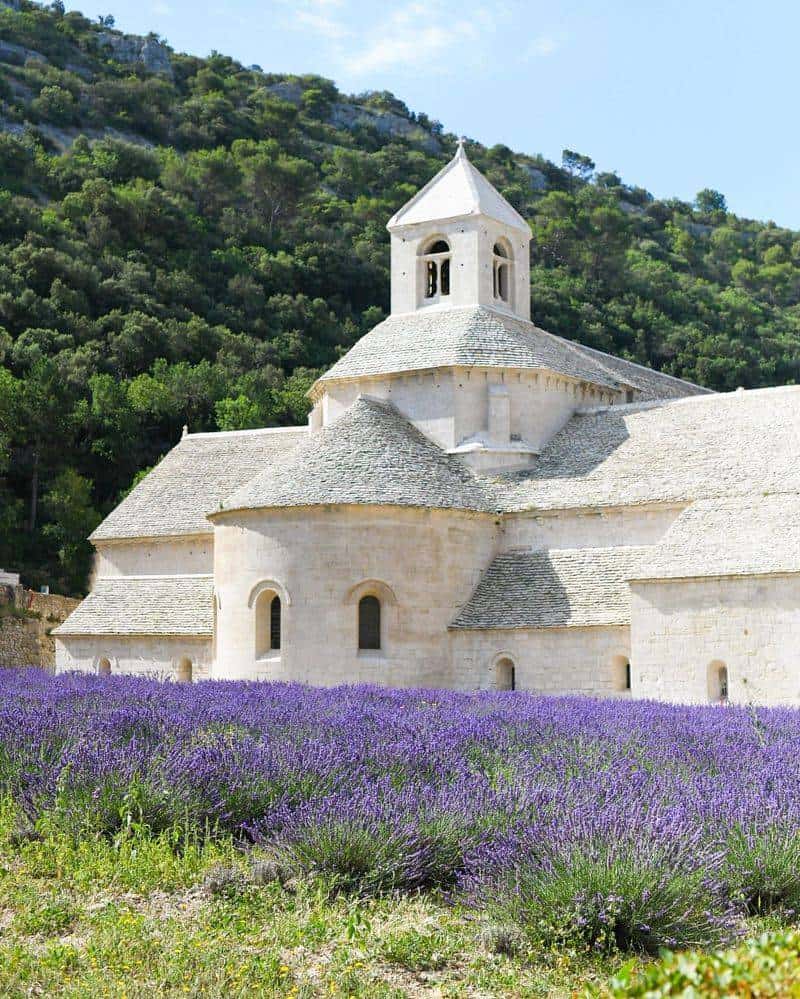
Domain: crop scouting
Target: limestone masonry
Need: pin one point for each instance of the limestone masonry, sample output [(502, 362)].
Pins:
[(27, 621), (475, 503)]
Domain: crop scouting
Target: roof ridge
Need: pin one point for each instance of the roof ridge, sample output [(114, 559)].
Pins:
[(219, 434), (470, 173), (423, 190), (153, 575), (582, 549), (696, 399), (635, 364)]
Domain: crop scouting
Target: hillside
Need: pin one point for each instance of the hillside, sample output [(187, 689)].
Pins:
[(188, 241)]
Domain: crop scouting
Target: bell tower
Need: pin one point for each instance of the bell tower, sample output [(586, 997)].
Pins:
[(459, 243)]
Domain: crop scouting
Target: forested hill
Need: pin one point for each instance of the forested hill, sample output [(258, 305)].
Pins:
[(187, 241)]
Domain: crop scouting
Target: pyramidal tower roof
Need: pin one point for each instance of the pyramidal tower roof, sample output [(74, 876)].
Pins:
[(457, 191)]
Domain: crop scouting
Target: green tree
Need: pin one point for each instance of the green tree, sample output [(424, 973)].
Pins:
[(71, 518), (55, 104), (709, 200), (239, 413), (10, 396), (578, 166)]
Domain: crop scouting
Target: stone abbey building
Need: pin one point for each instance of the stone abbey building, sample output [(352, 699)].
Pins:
[(475, 503)]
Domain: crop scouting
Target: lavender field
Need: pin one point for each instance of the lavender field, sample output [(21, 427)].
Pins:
[(617, 825)]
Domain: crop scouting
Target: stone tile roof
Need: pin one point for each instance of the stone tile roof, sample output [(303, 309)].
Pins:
[(477, 336), (139, 605), (371, 454), (649, 384), (191, 480), (458, 190), (731, 536), (671, 452), (576, 587)]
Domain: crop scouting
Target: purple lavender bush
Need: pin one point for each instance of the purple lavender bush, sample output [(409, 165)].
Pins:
[(613, 824)]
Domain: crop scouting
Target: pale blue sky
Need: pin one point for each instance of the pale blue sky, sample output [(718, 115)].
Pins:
[(675, 96)]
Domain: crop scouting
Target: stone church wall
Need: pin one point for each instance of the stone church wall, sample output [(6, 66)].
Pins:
[(142, 655), (749, 624), (429, 561), (170, 556), (424, 396), (452, 406), (540, 405), (26, 620), (598, 528), (546, 660)]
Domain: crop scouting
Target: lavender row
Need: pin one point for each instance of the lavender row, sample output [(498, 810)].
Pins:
[(626, 824)]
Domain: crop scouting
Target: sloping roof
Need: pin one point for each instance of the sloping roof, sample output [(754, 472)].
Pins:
[(139, 605), (576, 587), (650, 384), (732, 536), (481, 337), (191, 480), (371, 454), (458, 190), (666, 452)]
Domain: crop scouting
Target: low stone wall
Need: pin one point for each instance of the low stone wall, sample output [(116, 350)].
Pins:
[(27, 619)]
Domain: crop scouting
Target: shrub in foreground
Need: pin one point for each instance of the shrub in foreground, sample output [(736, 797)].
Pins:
[(223, 879), (763, 869), (768, 966), (502, 938), (611, 898), (371, 855), (378, 837)]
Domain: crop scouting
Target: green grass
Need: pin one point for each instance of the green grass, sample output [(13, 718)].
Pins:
[(91, 917), (131, 918)]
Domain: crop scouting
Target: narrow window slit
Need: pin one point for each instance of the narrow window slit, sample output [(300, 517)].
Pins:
[(275, 623), (369, 623)]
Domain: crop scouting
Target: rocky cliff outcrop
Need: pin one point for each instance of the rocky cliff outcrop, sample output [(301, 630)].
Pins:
[(18, 55), (386, 123), (350, 116), (151, 53), (537, 177)]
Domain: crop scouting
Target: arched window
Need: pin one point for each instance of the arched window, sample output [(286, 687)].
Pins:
[(184, 671), (621, 666), (718, 682), (267, 599), (436, 271), (268, 621), (723, 684), (369, 622), (501, 272), (275, 623), (104, 667), (505, 674)]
